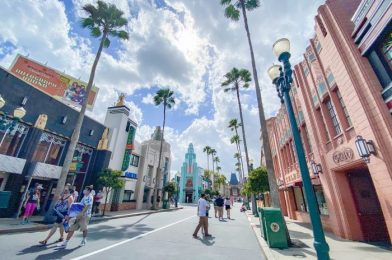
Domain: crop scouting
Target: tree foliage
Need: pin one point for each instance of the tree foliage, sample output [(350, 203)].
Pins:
[(170, 187), (258, 180), (110, 179)]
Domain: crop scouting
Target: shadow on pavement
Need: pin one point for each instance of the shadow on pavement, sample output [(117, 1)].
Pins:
[(56, 254)]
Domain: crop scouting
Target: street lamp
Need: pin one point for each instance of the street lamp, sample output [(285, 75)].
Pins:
[(282, 80), (316, 168), (365, 148), (18, 114)]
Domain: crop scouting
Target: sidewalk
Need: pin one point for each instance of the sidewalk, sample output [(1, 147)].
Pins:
[(12, 225), (302, 237)]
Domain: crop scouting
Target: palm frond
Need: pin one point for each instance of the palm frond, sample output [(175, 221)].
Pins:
[(106, 42), (232, 13), (95, 32), (252, 4), (87, 22), (225, 2)]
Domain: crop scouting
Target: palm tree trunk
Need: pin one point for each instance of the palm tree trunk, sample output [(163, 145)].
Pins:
[(240, 152), (158, 177), (106, 201), (78, 126), (243, 128), (267, 150)]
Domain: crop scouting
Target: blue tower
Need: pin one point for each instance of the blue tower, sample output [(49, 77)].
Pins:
[(190, 183)]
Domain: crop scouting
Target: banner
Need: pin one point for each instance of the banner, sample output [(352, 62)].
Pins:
[(59, 85)]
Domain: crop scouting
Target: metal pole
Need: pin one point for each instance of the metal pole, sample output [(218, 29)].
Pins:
[(320, 244)]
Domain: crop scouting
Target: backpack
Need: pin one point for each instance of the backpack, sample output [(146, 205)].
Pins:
[(62, 205)]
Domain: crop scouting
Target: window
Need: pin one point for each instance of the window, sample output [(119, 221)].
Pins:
[(128, 195), (321, 25), (49, 149), (330, 77), (317, 44), (314, 98), (299, 199), (321, 87), (348, 119), (387, 49), (322, 204), (81, 159), (134, 160), (334, 118), (310, 55), (305, 68), (12, 141)]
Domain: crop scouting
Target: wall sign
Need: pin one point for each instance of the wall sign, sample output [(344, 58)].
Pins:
[(344, 155)]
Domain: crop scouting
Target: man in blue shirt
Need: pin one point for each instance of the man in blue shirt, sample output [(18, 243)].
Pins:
[(219, 203)]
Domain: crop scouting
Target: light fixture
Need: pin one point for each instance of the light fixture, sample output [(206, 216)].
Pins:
[(274, 72), (64, 120), (316, 168), (281, 46), (24, 101), (365, 148), (91, 132), (2, 101), (19, 112)]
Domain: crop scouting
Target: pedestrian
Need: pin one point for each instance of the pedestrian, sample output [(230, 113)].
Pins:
[(82, 219), (75, 194), (208, 207), (97, 201), (219, 204), (203, 219), (31, 203), (216, 210), (60, 211), (228, 207)]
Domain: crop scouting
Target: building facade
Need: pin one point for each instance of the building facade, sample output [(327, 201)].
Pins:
[(190, 182), (34, 150), (234, 186), (337, 98), (147, 169)]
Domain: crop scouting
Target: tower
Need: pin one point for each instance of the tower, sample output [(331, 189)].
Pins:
[(190, 186)]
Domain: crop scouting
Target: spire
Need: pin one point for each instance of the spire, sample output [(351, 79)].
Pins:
[(157, 135), (233, 179)]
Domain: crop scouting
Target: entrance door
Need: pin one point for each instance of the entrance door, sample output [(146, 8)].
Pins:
[(368, 206), (188, 197)]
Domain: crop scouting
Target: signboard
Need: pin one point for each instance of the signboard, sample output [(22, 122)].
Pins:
[(130, 175), (59, 85)]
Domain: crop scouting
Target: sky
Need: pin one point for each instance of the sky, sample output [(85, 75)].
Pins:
[(185, 45)]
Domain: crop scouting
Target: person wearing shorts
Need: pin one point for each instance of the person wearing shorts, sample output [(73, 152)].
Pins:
[(228, 207), (80, 222)]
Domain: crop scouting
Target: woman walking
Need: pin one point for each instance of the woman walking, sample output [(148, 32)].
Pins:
[(32, 202), (228, 207), (60, 211)]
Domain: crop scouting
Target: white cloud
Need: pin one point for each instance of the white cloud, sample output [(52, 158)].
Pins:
[(171, 49), (149, 99)]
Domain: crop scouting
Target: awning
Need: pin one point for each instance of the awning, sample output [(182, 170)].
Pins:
[(46, 170), (11, 164)]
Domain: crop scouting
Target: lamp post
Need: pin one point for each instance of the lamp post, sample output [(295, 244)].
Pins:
[(282, 81)]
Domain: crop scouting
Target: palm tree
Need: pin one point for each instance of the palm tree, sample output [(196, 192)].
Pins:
[(236, 139), (218, 168), (163, 96), (213, 153), (207, 150), (216, 160), (103, 21), (232, 11), (238, 78)]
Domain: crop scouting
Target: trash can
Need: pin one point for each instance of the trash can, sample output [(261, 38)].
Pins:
[(4, 199), (262, 223), (275, 228), (165, 204)]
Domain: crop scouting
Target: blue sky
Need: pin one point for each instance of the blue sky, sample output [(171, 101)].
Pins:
[(187, 45)]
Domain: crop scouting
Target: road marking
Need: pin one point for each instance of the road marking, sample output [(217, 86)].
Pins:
[(129, 240)]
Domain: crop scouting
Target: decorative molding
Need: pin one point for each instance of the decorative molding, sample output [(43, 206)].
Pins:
[(344, 155), (11, 164), (46, 170), (41, 121)]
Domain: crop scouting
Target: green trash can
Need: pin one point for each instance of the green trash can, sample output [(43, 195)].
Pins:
[(165, 204), (4, 199), (262, 223), (275, 228)]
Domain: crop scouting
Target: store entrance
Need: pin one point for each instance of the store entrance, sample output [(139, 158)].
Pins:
[(368, 206), (188, 197)]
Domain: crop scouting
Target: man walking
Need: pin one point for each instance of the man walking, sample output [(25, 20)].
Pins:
[(219, 203), (203, 219), (82, 219)]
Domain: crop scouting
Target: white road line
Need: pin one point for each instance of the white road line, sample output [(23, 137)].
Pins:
[(129, 240)]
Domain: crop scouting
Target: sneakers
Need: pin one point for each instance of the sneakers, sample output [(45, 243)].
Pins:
[(62, 245), (83, 243)]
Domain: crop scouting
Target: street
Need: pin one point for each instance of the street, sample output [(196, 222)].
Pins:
[(166, 235)]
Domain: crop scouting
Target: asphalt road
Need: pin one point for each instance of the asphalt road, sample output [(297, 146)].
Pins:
[(166, 235)]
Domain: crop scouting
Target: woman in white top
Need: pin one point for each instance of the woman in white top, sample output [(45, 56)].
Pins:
[(228, 207)]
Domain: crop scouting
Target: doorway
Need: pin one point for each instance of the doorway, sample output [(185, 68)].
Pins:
[(368, 206), (188, 197)]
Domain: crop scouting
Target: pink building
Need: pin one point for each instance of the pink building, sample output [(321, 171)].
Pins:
[(337, 97)]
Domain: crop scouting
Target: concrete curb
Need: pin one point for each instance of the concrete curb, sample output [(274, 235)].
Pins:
[(263, 245), (42, 227)]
